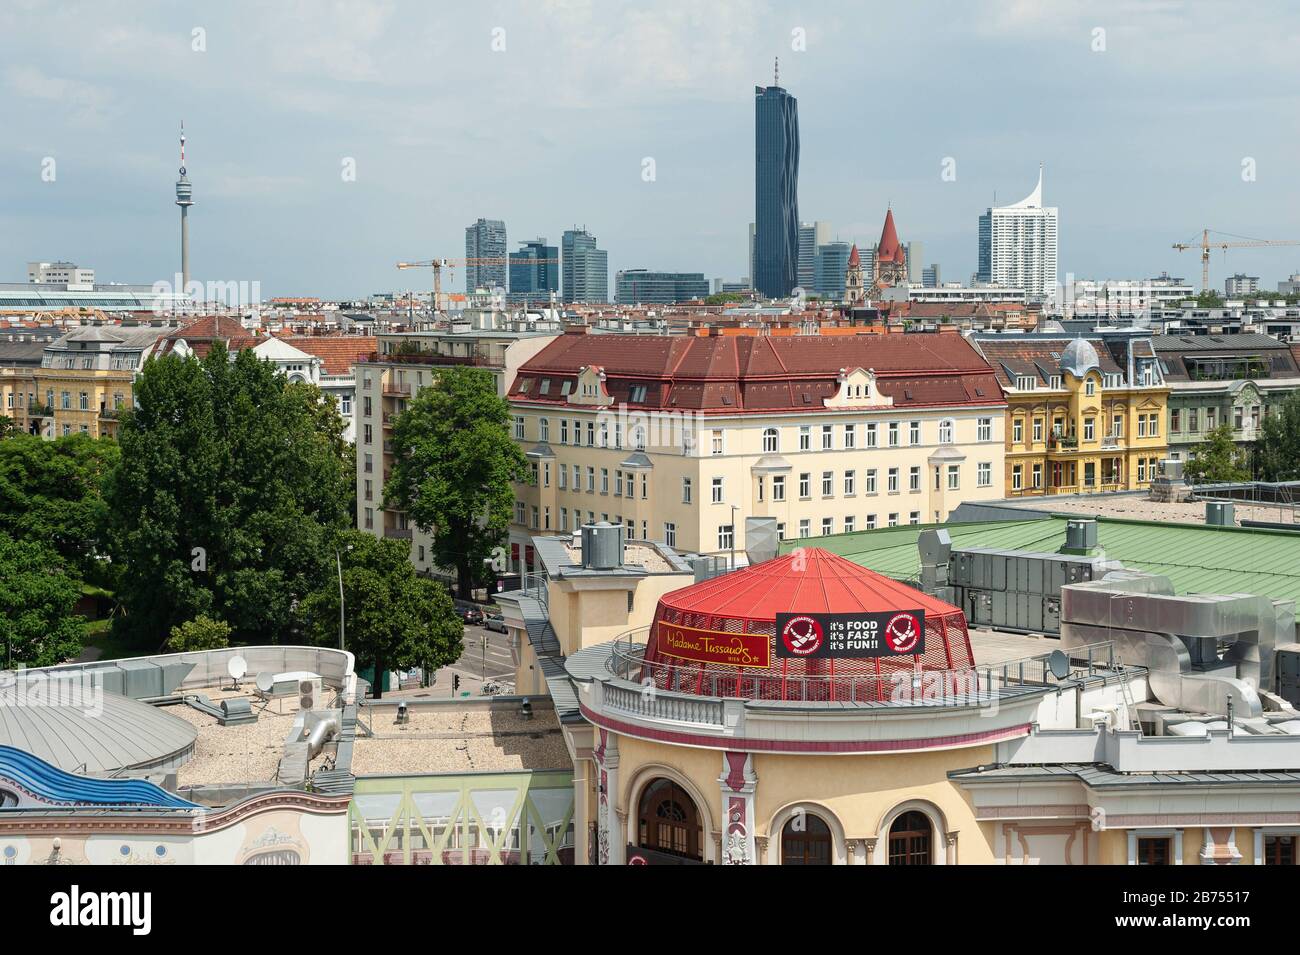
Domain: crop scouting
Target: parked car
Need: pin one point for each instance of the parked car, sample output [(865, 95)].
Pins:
[(472, 616), (495, 622)]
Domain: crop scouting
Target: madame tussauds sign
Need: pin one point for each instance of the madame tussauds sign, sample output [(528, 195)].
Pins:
[(715, 646)]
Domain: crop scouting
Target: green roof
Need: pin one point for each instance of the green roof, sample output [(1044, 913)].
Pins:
[(1197, 558)]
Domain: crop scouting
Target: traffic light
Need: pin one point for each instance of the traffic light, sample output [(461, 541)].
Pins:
[(455, 682)]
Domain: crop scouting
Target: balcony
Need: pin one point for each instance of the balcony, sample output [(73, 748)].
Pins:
[(1063, 442), (394, 389), (40, 411), (429, 358), (398, 533)]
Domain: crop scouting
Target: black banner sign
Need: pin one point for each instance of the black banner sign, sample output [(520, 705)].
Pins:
[(820, 635)]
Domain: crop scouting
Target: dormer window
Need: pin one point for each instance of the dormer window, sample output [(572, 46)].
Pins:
[(1026, 382), (637, 393)]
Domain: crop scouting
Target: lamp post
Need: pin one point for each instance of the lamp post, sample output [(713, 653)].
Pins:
[(733, 536), (338, 562)]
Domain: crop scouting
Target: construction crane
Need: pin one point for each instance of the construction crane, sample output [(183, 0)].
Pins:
[(1206, 245), (439, 264)]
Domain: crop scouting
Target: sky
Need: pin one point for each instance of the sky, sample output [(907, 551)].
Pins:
[(1154, 120)]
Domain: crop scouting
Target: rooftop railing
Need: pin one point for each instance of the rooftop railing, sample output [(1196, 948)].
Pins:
[(904, 685)]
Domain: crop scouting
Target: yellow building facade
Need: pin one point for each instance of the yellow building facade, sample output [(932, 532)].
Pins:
[(1082, 416)]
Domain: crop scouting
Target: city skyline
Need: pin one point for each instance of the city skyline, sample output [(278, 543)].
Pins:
[(669, 183)]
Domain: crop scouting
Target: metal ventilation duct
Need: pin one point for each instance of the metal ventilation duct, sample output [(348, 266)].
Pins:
[(761, 540), (602, 546)]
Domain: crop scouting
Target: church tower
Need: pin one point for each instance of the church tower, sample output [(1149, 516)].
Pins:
[(854, 290), (890, 267)]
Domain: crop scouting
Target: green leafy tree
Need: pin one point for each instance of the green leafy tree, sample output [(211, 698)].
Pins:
[(453, 464), (232, 484), (201, 633), (1278, 447), (50, 492), (7, 428), (393, 618), (1217, 459), (1209, 299), (38, 627)]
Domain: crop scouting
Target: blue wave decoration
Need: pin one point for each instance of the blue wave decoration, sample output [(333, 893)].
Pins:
[(56, 786)]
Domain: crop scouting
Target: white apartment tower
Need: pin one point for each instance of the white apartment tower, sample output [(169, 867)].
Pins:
[(1018, 246)]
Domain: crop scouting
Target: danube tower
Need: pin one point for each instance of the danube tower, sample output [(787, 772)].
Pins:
[(183, 199)]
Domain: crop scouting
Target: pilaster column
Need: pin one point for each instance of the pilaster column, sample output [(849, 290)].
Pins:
[(614, 824), (737, 783)]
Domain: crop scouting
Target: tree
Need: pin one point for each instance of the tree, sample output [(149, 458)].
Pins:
[(393, 618), (50, 492), (231, 486), (38, 627), (453, 465), (201, 633), (1278, 451), (1217, 459), (1209, 299)]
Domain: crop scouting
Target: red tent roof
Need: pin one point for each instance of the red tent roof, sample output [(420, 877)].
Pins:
[(889, 249), (854, 259), (808, 580)]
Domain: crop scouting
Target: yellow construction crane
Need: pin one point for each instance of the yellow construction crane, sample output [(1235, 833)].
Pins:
[(439, 264), (1206, 245)]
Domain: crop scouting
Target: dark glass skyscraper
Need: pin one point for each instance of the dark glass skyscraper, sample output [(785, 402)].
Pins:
[(534, 271), (776, 191), (485, 239)]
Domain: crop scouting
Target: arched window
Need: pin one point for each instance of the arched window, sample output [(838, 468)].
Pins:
[(909, 839), (668, 821), (770, 444), (945, 431), (806, 840)]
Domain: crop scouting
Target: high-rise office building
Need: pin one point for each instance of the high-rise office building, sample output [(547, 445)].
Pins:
[(915, 262), (811, 235), (750, 274), (585, 268), (534, 271), (644, 287), (485, 239), (832, 268), (776, 191), (930, 277), (1018, 245)]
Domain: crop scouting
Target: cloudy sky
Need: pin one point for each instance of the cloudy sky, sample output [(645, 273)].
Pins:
[(542, 113)]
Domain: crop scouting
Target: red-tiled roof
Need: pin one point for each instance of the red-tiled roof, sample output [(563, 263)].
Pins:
[(762, 373), (339, 353), (1012, 356)]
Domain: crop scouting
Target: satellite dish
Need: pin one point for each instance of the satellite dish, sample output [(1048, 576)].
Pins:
[(265, 681), (1059, 664), (237, 667)]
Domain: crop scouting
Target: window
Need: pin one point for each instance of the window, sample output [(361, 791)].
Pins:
[(850, 436), (805, 527), (535, 523), (1154, 851), (848, 524), (66, 400), (519, 429), (1090, 387), (828, 526), (83, 402), (670, 534), (893, 520), (780, 532), (1089, 429), (543, 429), (1278, 850), (893, 481), (761, 483), (984, 429), (805, 485), (893, 434), (604, 480), (564, 431), (871, 522), (871, 480), (546, 474), (770, 441), (591, 434), (945, 431), (954, 476), (914, 517), (686, 490), (717, 490), (618, 483), (871, 435), (645, 487), (1038, 429), (914, 478), (1025, 382), (563, 474), (914, 433), (909, 839), (805, 437), (984, 474), (1142, 469), (1117, 427), (716, 443), (828, 483), (1154, 427), (1017, 477), (828, 437), (1018, 431), (850, 482), (726, 536), (591, 480), (520, 515), (564, 518)]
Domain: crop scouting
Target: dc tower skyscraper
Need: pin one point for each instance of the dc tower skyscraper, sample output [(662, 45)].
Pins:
[(776, 190), (184, 199)]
